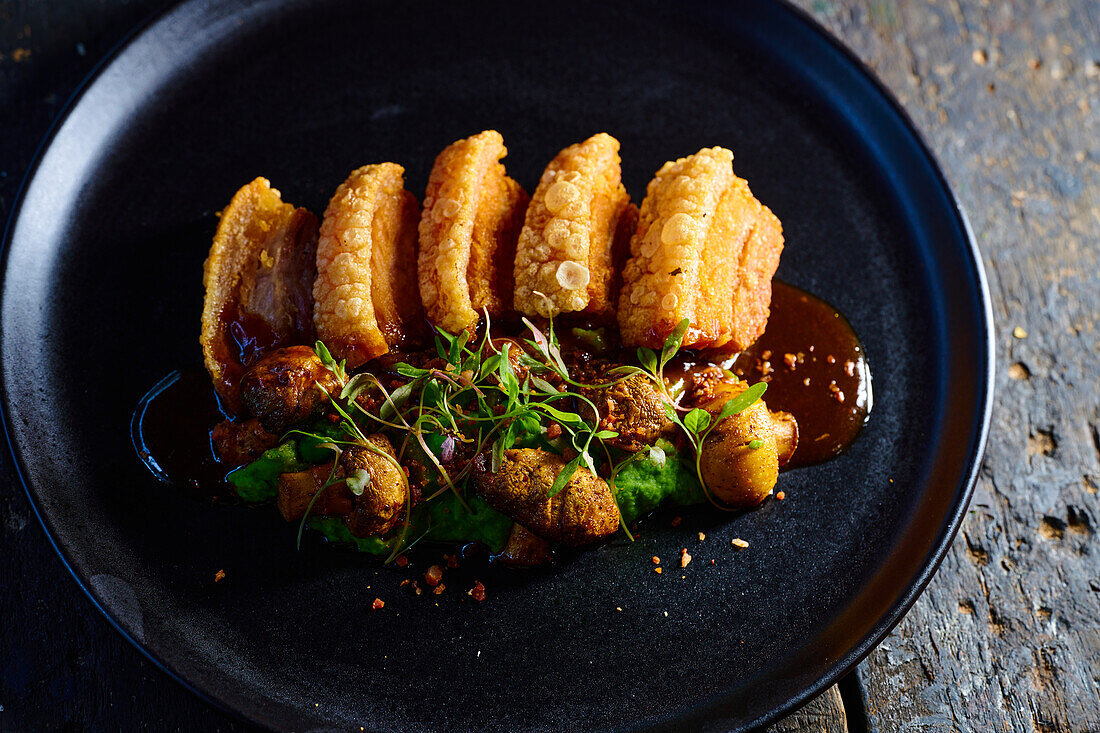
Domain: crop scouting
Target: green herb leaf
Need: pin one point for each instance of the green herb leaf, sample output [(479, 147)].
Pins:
[(697, 420), (407, 370), (743, 401), (543, 386), (567, 419), (754, 444), (606, 434), (359, 481), (592, 337), (397, 400), (648, 359), (459, 342), (672, 343), (507, 376), (563, 477), (356, 385), (490, 364)]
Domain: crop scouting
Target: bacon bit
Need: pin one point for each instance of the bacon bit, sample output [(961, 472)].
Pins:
[(838, 396), (830, 359), (378, 604), (702, 536), (618, 608), (683, 551), (790, 360), (766, 354), (712, 561), (656, 560), (850, 368), (553, 430), (433, 576), (676, 521), (439, 589), (806, 382), (477, 592), (452, 561), (684, 560), (781, 495), (401, 561), (658, 570), (766, 368), (738, 542), (219, 575)]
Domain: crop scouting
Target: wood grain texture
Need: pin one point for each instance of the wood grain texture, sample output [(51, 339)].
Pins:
[(1007, 635)]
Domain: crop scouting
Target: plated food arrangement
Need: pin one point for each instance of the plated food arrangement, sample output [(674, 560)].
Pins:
[(518, 371)]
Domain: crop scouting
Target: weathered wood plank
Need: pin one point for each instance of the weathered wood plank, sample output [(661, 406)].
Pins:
[(1007, 636), (823, 714)]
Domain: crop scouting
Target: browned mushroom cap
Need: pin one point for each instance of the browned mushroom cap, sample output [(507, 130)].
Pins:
[(258, 279), (286, 386), (634, 409), (297, 491), (381, 487), (525, 549), (584, 511), (741, 456)]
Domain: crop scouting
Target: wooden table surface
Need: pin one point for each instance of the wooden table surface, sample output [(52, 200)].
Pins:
[(1007, 635)]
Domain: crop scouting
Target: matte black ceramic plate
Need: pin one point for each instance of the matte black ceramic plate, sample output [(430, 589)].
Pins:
[(102, 296)]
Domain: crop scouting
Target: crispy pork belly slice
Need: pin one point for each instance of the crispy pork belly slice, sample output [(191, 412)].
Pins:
[(364, 298), (567, 254), (258, 277), (472, 216), (705, 249)]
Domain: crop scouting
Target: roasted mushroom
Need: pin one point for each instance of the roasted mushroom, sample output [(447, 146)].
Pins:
[(582, 512), (286, 386), (297, 491), (635, 410), (525, 549), (741, 456), (379, 485)]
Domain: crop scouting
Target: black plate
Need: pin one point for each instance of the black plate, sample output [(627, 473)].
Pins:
[(102, 296)]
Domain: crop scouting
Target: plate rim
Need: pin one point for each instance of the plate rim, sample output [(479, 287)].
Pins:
[(834, 671)]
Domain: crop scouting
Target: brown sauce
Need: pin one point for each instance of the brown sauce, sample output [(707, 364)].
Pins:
[(816, 369), (170, 430)]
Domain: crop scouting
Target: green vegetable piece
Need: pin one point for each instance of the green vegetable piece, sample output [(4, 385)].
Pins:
[(448, 521), (592, 337), (644, 484), (259, 480), (335, 530)]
